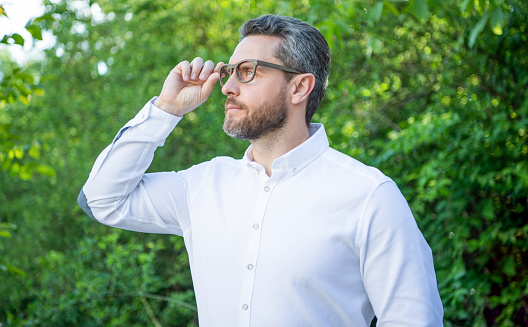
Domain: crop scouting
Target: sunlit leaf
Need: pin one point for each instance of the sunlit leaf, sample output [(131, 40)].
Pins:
[(375, 12), (38, 91), (464, 5), (14, 170), (34, 152), (45, 17), (34, 31), (26, 172), (420, 9), (15, 270), (18, 39), (45, 170), (391, 7), (19, 153), (2, 11), (4, 233), (497, 20), (475, 31), (24, 99)]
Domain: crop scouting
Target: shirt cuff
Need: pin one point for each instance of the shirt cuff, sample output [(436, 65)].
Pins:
[(154, 122)]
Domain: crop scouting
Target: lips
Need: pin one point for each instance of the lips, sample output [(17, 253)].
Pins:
[(231, 105)]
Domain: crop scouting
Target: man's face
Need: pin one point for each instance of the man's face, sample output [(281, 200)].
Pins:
[(259, 107)]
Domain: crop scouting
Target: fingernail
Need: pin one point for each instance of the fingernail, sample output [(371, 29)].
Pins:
[(194, 76), (202, 76), (186, 77)]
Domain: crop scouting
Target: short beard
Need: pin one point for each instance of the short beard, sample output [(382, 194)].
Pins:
[(260, 121)]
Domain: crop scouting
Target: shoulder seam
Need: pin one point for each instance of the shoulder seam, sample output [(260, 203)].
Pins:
[(364, 208)]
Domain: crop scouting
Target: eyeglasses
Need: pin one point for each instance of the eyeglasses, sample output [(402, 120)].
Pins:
[(246, 69)]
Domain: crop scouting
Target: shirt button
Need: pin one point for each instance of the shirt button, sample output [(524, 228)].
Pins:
[(245, 306), (267, 188), (250, 267), (293, 169), (256, 226)]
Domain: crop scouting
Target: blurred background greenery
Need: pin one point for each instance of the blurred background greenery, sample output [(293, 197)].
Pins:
[(432, 92)]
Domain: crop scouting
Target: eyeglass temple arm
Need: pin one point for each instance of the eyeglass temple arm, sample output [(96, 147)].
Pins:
[(283, 68)]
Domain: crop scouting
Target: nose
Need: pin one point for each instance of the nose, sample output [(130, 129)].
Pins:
[(231, 86)]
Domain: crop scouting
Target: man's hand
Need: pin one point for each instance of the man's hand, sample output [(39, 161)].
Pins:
[(188, 86)]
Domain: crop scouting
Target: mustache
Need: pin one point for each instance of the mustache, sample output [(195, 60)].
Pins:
[(233, 101)]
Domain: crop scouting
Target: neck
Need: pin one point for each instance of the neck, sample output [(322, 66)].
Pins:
[(275, 144)]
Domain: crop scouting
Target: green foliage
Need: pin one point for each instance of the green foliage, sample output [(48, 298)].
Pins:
[(17, 85), (433, 93), (110, 283)]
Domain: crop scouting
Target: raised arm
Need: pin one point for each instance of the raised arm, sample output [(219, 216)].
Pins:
[(118, 192)]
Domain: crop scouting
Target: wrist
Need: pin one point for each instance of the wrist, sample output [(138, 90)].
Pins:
[(166, 107)]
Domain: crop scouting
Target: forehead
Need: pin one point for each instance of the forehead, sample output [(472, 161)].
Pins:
[(256, 47)]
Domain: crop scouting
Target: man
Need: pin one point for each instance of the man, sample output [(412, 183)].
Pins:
[(293, 234)]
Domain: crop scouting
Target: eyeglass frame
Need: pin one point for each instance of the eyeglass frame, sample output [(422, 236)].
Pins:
[(255, 63)]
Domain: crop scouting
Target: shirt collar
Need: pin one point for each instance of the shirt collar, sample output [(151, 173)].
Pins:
[(298, 158)]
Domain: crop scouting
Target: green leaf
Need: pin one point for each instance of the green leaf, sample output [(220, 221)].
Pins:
[(497, 19), (45, 17), (15, 270), (24, 99), (2, 11), (375, 12), (464, 5), (8, 225), (4, 233), (35, 31), (45, 170), (19, 153), (18, 39), (420, 9), (38, 91), (34, 152), (488, 211), (391, 7), (475, 31), (14, 169), (509, 267), (26, 172)]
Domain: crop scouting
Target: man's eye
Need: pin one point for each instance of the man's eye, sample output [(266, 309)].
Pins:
[(249, 72), (246, 71)]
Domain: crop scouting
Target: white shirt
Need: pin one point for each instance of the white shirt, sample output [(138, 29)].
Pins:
[(325, 241)]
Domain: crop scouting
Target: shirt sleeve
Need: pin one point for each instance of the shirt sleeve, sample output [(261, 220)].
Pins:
[(396, 262), (118, 193)]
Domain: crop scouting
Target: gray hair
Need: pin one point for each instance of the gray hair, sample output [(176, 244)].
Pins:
[(303, 48)]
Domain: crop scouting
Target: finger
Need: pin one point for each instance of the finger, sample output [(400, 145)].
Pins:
[(207, 69), (209, 84), (218, 65), (185, 69), (196, 67)]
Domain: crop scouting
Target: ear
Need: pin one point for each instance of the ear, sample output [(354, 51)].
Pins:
[(302, 86)]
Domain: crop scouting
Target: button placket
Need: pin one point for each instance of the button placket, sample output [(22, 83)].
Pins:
[(252, 254)]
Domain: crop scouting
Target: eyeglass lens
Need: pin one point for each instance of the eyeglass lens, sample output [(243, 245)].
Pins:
[(245, 71)]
